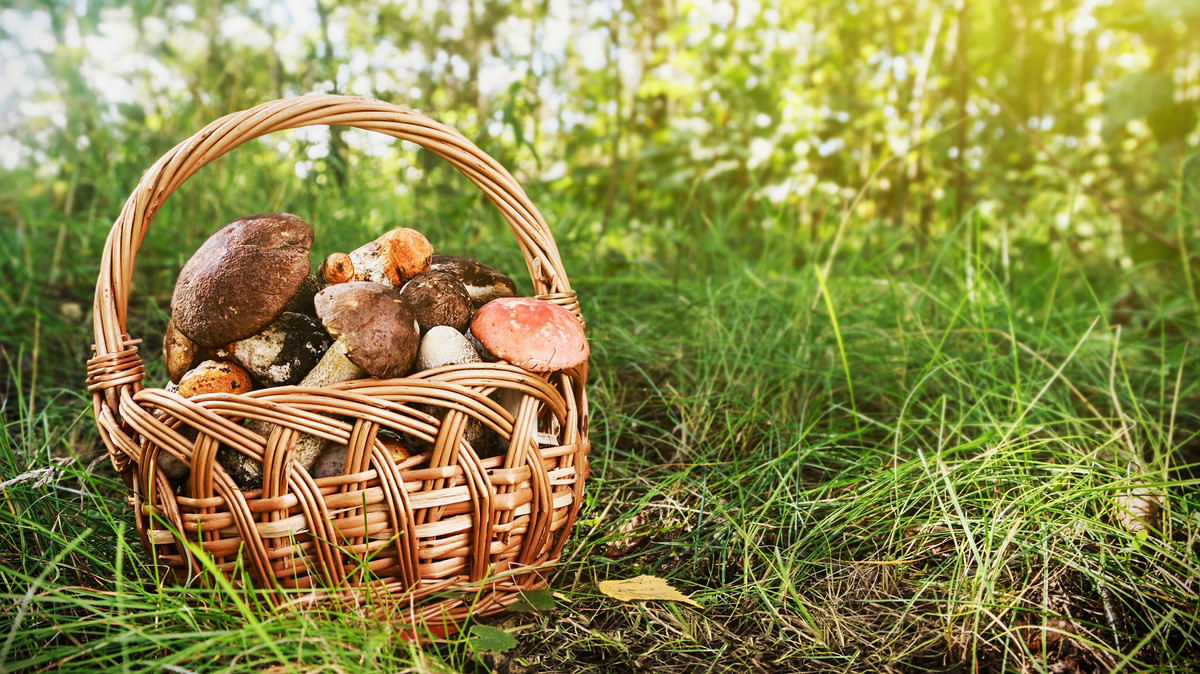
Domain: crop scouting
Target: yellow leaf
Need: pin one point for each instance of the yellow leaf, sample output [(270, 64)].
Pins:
[(643, 588)]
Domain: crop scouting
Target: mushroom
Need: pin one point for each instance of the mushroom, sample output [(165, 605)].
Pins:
[(209, 376), (443, 345), (479, 348), (180, 354), (337, 268), (302, 301), (285, 352), (393, 258), (483, 283), (374, 334), (534, 335), (240, 279), (332, 461), (438, 298)]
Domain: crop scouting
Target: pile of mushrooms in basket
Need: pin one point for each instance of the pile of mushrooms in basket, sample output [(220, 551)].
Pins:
[(247, 313)]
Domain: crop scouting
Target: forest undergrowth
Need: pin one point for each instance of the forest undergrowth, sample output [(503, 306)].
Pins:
[(864, 451)]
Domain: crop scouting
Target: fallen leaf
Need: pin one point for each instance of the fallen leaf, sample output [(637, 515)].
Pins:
[(628, 540), (487, 638), (1136, 509), (644, 588), (534, 600)]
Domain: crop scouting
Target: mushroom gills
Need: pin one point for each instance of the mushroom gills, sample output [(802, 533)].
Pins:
[(483, 283)]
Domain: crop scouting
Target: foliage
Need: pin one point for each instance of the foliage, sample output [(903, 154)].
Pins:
[(639, 109), (905, 455)]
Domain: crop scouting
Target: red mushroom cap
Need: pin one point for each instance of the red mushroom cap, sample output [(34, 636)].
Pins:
[(532, 334)]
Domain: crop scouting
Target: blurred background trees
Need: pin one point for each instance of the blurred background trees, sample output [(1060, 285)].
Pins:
[(1037, 117)]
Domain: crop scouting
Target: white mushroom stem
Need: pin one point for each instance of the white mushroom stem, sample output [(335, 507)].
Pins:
[(510, 399), (441, 346), (371, 263), (334, 367)]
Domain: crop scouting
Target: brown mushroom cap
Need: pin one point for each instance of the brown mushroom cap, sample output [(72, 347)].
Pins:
[(437, 298), (377, 330), (483, 283), (532, 334), (241, 278)]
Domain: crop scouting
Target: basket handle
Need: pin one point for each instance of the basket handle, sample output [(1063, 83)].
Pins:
[(116, 365)]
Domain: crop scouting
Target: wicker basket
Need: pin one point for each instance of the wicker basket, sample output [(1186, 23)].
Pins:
[(436, 537)]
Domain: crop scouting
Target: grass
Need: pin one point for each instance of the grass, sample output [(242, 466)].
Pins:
[(908, 462)]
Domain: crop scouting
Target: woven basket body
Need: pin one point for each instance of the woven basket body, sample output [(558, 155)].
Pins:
[(439, 536)]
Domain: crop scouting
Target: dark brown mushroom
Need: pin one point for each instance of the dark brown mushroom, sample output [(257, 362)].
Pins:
[(374, 334), (240, 279), (372, 329), (302, 301), (437, 298)]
